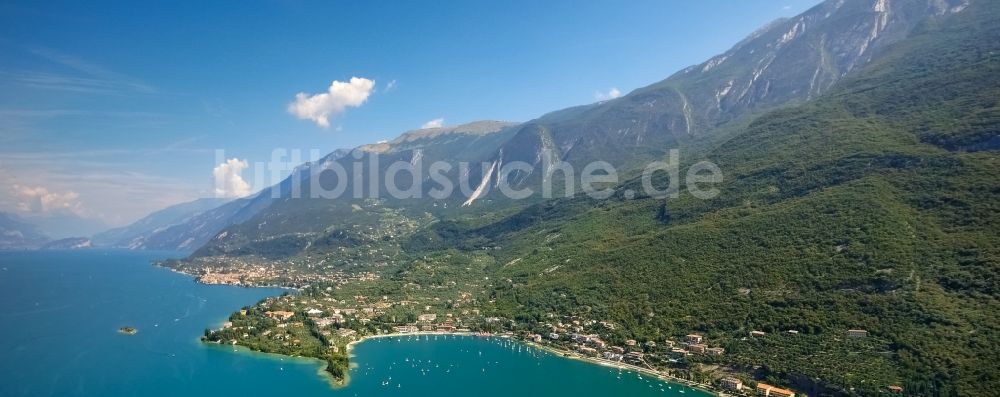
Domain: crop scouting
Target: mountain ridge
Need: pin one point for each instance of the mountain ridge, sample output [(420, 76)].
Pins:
[(687, 111), (785, 62), (16, 233), (134, 234)]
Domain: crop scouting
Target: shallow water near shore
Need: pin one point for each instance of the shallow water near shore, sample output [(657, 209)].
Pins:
[(61, 311), (457, 365)]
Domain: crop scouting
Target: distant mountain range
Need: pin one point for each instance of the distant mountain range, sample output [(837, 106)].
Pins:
[(155, 227), (15, 233), (71, 243), (180, 227)]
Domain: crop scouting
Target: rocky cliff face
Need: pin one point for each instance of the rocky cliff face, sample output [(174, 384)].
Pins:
[(801, 57), (788, 61)]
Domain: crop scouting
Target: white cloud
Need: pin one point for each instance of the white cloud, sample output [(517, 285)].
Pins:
[(339, 97), (38, 199), (229, 181), (611, 94), (389, 87), (436, 123)]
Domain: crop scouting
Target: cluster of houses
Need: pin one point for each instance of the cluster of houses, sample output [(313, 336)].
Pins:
[(632, 352), (281, 316), (428, 322), (425, 322), (695, 344), (762, 389), (250, 272), (336, 317)]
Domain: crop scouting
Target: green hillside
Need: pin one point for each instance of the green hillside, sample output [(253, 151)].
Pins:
[(873, 207)]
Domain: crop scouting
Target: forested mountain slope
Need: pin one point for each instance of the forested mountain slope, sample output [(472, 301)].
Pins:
[(134, 235), (875, 206)]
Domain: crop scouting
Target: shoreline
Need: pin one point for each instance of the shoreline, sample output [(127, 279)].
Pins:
[(627, 367), (555, 351), (263, 355), (196, 280), (349, 348)]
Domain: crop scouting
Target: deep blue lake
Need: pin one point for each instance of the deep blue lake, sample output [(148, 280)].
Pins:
[(60, 312)]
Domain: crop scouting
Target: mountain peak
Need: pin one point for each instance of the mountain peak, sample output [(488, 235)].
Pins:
[(482, 127), (474, 128)]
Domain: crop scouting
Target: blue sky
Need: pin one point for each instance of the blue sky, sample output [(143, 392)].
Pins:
[(110, 110)]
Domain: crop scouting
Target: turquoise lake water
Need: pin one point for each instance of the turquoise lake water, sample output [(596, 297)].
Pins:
[(60, 312)]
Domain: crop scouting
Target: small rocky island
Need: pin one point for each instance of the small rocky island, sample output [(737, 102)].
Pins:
[(128, 330)]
